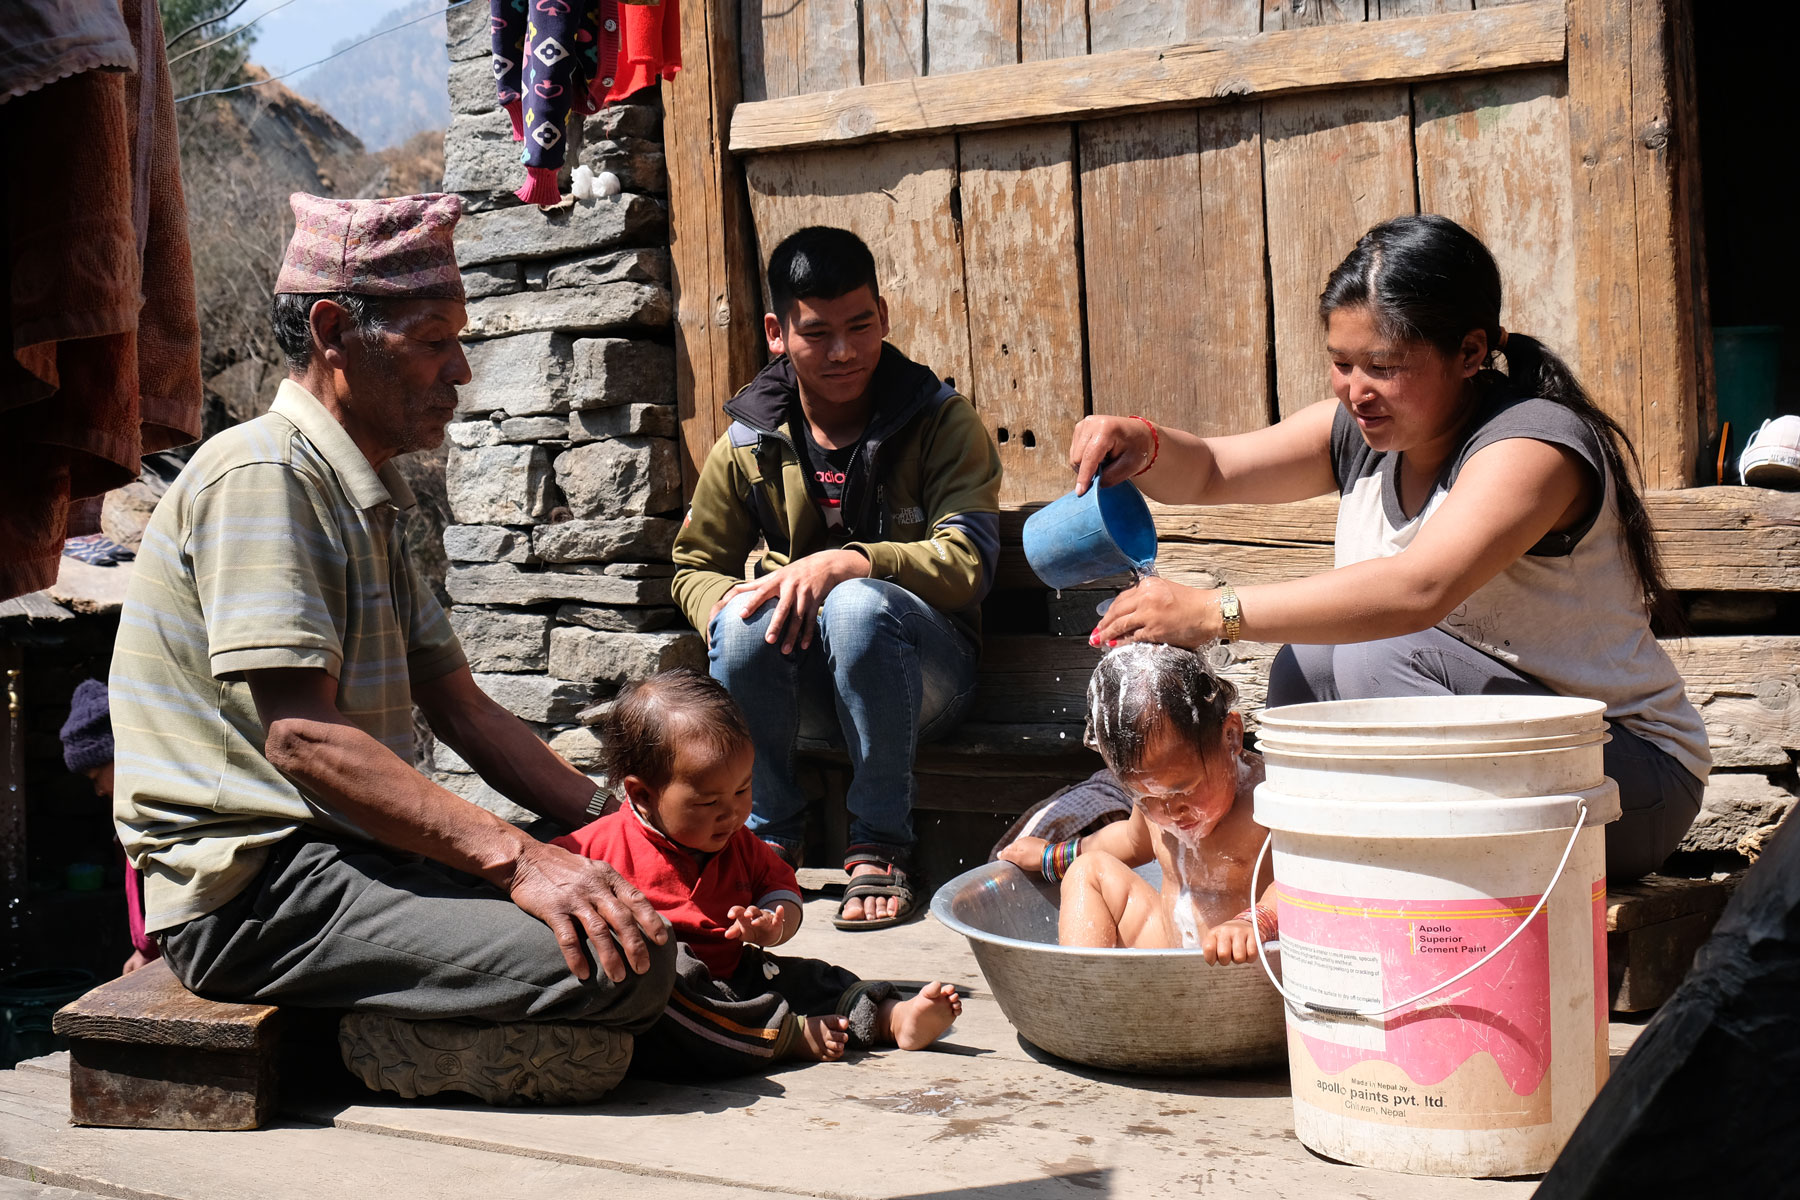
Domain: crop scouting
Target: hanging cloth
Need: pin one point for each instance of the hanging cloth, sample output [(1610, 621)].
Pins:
[(102, 358)]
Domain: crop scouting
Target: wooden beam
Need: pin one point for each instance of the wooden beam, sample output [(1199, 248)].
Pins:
[(146, 1053), (1284, 62), (1730, 539), (1747, 689), (718, 306)]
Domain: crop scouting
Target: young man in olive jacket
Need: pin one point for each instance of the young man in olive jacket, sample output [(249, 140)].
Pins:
[(876, 490)]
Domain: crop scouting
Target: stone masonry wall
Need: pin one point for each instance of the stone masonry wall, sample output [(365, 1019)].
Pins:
[(563, 477)]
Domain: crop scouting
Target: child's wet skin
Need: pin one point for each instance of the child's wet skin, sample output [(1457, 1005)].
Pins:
[(1164, 724), (1191, 804)]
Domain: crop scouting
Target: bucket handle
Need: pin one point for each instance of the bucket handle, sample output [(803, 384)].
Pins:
[(1338, 1011)]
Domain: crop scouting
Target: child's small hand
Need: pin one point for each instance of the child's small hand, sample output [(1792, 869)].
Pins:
[(1229, 942), (758, 926), (1027, 853)]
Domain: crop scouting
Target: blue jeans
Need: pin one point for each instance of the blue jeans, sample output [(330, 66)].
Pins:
[(885, 672)]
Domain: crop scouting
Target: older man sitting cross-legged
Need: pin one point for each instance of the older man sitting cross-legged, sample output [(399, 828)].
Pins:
[(272, 645)]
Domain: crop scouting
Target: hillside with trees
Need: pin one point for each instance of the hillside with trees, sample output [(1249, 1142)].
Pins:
[(389, 88), (242, 154)]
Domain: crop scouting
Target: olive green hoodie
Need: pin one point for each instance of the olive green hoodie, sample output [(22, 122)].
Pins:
[(921, 500)]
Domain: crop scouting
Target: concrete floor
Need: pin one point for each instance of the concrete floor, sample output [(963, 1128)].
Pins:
[(983, 1116)]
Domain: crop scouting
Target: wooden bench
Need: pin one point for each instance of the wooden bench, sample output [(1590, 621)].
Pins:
[(146, 1053)]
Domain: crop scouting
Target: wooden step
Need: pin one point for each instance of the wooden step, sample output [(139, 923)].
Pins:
[(146, 1053), (1654, 927)]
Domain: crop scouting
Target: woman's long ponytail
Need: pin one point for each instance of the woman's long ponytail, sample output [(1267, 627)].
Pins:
[(1536, 370)]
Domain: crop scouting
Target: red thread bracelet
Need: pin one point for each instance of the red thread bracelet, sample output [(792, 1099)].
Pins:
[(1155, 442)]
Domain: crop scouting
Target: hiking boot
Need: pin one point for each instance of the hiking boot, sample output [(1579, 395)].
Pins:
[(524, 1062)]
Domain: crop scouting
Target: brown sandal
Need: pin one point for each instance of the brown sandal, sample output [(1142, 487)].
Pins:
[(866, 887)]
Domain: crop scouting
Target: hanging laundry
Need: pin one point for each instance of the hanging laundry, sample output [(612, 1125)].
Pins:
[(102, 358), (556, 59)]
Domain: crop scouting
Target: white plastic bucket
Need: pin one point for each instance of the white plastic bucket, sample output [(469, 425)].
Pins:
[(1416, 840)]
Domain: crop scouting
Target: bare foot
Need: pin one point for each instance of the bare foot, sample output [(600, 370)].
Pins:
[(915, 1024), (875, 908), (824, 1038)]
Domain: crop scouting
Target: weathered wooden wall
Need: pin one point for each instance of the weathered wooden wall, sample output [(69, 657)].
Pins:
[(1148, 230)]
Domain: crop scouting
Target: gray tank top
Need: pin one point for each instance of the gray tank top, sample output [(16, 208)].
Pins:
[(1567, 613)]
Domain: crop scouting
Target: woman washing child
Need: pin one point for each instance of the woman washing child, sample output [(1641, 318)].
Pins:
[(1489, 537), (1165, 726)]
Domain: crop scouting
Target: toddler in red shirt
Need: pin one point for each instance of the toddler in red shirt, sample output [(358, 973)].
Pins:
[(675, 748)]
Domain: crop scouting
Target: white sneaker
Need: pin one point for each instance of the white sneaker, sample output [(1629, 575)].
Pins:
[(1772, 458)]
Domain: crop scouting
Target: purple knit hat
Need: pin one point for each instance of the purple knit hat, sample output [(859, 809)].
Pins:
[(87, 734), (401, 247)]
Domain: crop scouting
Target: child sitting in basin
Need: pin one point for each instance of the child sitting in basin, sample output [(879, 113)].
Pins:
[(677, 751), (1165, 726)]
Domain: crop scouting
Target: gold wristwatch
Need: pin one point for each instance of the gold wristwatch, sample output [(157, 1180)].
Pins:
[(1230, 614)]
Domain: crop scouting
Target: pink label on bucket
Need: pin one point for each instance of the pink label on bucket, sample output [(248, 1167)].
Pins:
[(1359, 953)]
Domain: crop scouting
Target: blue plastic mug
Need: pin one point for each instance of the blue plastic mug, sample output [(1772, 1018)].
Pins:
[(1078, 539)]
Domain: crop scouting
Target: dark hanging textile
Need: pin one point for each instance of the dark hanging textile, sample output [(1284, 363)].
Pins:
[(102, 354)]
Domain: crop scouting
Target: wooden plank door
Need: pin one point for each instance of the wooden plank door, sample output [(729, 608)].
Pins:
[(1491, 156), (1334, 165), (1020, 255), (897, 197), (1173, 239)]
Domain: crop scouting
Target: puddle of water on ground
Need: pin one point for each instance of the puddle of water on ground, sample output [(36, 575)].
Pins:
[(1145, 1128), (969, 1127), (935, 1101)]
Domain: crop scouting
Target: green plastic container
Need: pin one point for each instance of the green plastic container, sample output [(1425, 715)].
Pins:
[(28, 999), (1747, 363)]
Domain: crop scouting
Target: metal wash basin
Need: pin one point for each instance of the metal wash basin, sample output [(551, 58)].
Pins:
[(1152, 1011)]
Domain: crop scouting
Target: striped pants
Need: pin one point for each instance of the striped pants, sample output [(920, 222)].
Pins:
[(750, 1022)]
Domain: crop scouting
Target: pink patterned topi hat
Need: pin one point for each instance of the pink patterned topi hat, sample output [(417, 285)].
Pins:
[(399, 247)]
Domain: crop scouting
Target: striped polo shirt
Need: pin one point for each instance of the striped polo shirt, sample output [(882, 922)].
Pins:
[(279, 546)]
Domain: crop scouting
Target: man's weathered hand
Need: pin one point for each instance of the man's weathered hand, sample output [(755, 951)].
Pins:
[(578, 896), (798, 590)]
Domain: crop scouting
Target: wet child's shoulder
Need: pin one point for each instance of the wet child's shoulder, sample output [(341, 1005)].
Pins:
[(1251, 771)]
